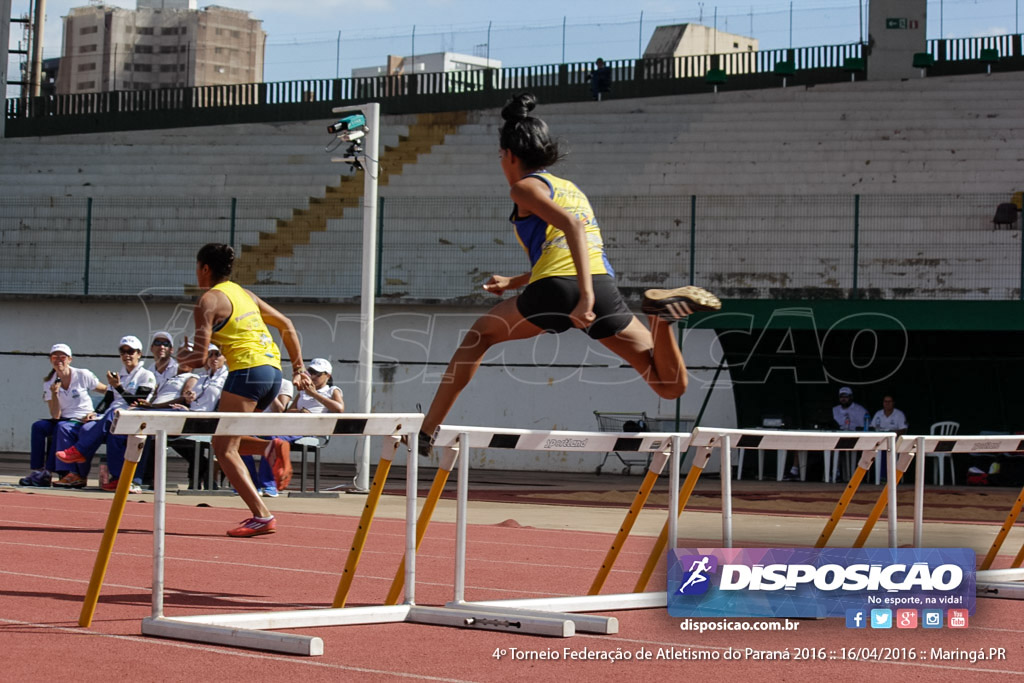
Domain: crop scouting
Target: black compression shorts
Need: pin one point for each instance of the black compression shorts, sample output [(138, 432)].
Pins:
[(547, 303)]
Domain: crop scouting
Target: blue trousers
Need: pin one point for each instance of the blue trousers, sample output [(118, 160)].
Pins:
[(40, 457), (87, 440)]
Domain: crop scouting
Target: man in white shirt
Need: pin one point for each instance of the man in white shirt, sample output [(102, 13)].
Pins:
[(165, 367), (888, 419), (849, 416)]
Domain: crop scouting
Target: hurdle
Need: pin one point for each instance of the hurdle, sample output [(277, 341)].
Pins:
[(254, 629), (865, 442), (660, 445)]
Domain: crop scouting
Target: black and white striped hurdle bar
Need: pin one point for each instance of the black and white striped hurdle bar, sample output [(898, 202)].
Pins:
[(554, 440), (184, 423), (770, 439), (961, 444)]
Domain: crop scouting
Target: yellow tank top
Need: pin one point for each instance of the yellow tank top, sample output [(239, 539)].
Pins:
[(546, 245), (244, 338)]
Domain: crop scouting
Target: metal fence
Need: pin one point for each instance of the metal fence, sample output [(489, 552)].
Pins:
[(916, 247), (420, 92)]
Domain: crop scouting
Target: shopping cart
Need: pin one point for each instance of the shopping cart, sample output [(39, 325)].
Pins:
[(623, 422)]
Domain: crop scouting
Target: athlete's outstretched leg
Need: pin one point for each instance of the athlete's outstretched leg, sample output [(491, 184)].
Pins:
[(502, 323)]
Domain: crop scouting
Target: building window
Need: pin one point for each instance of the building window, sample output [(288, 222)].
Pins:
[(144, 30), (87, 85), (166, 49), (86, 48), (140, 86), (182, 30), (87, 30), (218, 32), (236, 34), (183, 48), (169, 31), (125, 85), (91, 66), (143, 49), (164, 68), (144, 67), (218, 50), (181, 67)]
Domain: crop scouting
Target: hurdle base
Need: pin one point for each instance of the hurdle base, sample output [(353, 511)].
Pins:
[(204, 492), (313, 494), (1006, 590), (267, 641), (613, 602), (584, 623), (464, 616)]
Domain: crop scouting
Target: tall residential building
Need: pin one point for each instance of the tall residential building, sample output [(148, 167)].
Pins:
[(160, 44)]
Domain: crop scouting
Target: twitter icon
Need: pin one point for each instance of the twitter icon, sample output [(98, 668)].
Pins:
[(881, 618)]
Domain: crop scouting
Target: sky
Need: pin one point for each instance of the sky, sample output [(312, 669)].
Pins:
[(315, 39)]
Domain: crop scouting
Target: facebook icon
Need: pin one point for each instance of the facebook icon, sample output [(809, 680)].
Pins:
[(856, 618)]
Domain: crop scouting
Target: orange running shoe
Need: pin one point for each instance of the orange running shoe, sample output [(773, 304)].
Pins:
[(254, 527), (71, 455), (281, 463)]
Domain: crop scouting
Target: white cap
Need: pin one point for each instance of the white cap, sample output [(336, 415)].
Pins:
[(845, 391), (163, 335), (131, 341), (60, 348), (212, 347), (320, 365)]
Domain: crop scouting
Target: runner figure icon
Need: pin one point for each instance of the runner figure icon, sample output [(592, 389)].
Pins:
[(697, 570)]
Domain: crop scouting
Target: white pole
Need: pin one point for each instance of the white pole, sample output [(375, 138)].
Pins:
[(366, 311), (159, 519), (5, 41)]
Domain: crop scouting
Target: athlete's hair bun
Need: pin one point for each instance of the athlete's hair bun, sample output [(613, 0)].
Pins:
[(519, 107)]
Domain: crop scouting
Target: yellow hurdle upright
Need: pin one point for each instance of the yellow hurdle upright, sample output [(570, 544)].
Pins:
[(844, 501), (1011, 519), (883, 500), (380, 477), (653, 472), (658, 552), (132, 454)]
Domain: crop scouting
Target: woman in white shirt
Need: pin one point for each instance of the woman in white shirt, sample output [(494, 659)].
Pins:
[(316, 393), (66, 393)]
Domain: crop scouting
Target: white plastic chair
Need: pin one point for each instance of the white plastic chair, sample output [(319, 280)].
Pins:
[(944, 429)]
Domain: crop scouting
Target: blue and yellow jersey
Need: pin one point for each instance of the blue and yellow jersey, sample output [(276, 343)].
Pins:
[(545, 244), (244, 338)]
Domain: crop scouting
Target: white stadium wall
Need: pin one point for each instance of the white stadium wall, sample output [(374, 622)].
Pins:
[(552, 382)]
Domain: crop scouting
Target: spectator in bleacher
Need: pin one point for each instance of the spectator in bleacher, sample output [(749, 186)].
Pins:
[(132, 383), (66, 393), (236, 320), (570, 282), (202, 395), (600, 79), (888, 419), (164, 365), (316, 393)]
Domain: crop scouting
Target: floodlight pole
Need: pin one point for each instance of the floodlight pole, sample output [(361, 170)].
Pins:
[(364, 379)]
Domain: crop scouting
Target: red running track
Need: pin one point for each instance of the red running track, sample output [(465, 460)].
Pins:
[(48, 544)]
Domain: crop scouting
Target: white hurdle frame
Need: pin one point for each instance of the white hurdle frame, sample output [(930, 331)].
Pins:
[(462, 439), (769, 439), (993, 583), (251, 630)]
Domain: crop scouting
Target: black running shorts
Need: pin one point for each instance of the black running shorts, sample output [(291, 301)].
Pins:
[(547, 303)]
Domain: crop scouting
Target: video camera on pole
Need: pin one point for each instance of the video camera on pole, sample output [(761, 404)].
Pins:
[(350, 129)]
